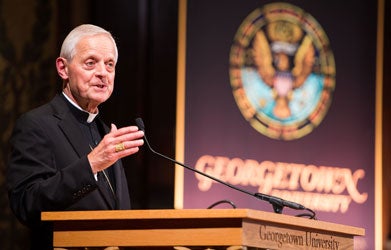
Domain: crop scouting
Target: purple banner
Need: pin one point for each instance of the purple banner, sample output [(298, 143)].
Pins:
[(280, 100)]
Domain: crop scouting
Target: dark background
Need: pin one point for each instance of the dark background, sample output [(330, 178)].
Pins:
[(145, 86), (31, 32)]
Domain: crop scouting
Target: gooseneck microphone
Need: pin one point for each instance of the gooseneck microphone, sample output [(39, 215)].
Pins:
[(277, 203)]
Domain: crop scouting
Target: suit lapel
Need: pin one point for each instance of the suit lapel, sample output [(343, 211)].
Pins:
[(69, 125)]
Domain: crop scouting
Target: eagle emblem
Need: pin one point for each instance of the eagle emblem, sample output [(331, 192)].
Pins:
[(282, 71)]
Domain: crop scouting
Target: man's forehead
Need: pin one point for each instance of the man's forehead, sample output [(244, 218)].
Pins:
[(100, 44)]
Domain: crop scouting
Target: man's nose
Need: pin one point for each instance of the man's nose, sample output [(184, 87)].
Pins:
[(101, 69)]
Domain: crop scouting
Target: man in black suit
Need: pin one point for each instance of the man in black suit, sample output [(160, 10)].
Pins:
[(63, 156)]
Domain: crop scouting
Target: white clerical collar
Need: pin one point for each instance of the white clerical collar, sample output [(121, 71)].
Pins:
[(91, 116)]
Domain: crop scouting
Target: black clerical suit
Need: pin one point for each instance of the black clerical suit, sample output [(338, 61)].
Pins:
[(49, 169)]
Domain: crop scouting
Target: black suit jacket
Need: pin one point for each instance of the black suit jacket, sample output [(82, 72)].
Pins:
[(49, 169)]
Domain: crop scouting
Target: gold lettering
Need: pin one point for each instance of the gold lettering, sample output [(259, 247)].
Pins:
[(234, 170), (352, 186), (235, 75), (266, 184), (202, 164), (309, 178), (245, 106), (219, 168), (253, 173), (326, 183), (339, 181), (281, 174), (319, 202), (323, 186)]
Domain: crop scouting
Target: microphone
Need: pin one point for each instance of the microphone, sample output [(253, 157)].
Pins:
[(277, 203)]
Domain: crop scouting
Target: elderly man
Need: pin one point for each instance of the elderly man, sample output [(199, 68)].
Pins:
[(63, 156)]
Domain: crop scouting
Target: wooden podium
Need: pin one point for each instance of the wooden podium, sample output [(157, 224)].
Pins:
[(197, 229)]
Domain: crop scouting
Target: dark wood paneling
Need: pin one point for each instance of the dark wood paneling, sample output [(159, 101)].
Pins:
[(146, 33)]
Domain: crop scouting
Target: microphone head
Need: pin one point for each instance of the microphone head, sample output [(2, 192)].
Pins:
[(140, 123)]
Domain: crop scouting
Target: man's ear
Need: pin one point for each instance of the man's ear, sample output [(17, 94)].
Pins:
[(62, 69)]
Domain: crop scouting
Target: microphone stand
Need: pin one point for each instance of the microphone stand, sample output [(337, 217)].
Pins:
[(277, 203)]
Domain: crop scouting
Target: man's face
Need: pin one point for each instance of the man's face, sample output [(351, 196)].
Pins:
[(91, 72)]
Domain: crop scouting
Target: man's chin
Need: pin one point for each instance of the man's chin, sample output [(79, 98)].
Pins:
[(95, 101), (100, 97)]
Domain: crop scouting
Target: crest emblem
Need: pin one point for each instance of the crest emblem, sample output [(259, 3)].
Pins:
[(282, 71)]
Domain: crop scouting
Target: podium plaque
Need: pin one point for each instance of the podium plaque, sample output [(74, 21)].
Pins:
[(197, 229)]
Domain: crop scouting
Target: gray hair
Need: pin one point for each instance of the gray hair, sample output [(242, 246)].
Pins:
[(84, 30)]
